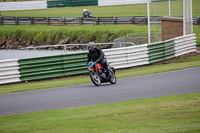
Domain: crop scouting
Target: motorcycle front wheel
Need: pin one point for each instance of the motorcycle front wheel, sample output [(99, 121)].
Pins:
[(113, 78), (95, 78)]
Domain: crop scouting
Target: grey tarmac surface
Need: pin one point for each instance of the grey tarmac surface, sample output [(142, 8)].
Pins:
[(147, 86)]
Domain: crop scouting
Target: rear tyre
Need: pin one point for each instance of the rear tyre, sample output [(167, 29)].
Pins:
[(95, 78), (113, 78)]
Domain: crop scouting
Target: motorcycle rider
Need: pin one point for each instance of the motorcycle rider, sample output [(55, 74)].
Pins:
[(86, 13), (96, 54)]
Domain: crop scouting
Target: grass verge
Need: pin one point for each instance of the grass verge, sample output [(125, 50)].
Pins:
[(192, 61), (38, 34), (157, 9), (178, 113), (31, 35)]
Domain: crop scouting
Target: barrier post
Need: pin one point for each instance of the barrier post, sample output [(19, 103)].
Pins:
[(16, 21), (47, 20), (31, 20), (1, 20), (115, 20), (80, 21), (63, 20), (132, 20), (97, 20)]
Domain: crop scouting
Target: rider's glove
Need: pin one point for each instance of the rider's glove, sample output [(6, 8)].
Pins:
[(98, 60)]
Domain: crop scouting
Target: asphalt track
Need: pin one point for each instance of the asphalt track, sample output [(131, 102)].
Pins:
[(147, 86)]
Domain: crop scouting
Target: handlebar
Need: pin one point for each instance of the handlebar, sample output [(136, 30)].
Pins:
[(89, 67)]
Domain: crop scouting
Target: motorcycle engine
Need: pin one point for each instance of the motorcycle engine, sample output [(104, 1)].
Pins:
[(103, 75), (100, 71)]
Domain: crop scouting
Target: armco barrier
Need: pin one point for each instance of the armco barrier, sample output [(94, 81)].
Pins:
[(75, 63), (41, 67), (23, 5), (119, 2), (52, 66), (156, 52), (185, 44), (70, 3), (71, 64), (127, 56), (169, 49), (161, 51), (9, 71), (138, 55), (117, 57)]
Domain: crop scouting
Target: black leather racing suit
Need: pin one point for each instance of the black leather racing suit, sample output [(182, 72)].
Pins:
[(96, 54)]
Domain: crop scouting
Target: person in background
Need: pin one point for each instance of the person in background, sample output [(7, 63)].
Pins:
[(86, 13)]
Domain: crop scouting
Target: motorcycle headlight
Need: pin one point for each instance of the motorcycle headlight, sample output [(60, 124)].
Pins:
[(89, 64)]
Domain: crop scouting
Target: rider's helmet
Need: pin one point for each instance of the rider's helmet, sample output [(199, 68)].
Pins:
[(84, 10), (90, 45)]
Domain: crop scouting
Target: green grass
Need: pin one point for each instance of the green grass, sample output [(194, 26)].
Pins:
[(179, 113), (193, 61), (157, 9)]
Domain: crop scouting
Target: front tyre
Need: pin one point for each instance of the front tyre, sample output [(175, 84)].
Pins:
[(113, 78), (95, 78)]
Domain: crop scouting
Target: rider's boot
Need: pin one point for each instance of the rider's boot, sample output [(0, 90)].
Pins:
[(109, 73)]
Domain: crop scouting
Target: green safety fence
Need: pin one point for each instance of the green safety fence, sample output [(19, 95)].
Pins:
[(74, 64), (156, 52), (70, 3), (52, 66), (161, 51), (169, 49)]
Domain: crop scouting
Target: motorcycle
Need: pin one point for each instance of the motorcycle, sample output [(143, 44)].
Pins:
[(88, 15), (99, 75)]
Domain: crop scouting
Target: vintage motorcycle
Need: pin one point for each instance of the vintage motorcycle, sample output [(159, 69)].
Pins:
[(99, 75)]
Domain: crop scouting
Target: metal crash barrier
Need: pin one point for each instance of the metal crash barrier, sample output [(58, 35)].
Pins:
[(17, 70)]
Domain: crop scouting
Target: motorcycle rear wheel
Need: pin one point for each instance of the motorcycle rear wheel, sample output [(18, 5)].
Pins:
[(95, 78)]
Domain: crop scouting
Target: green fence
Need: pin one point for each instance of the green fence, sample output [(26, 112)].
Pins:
[(169, 49), (161, 51), (70, 3), (52, 66)]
